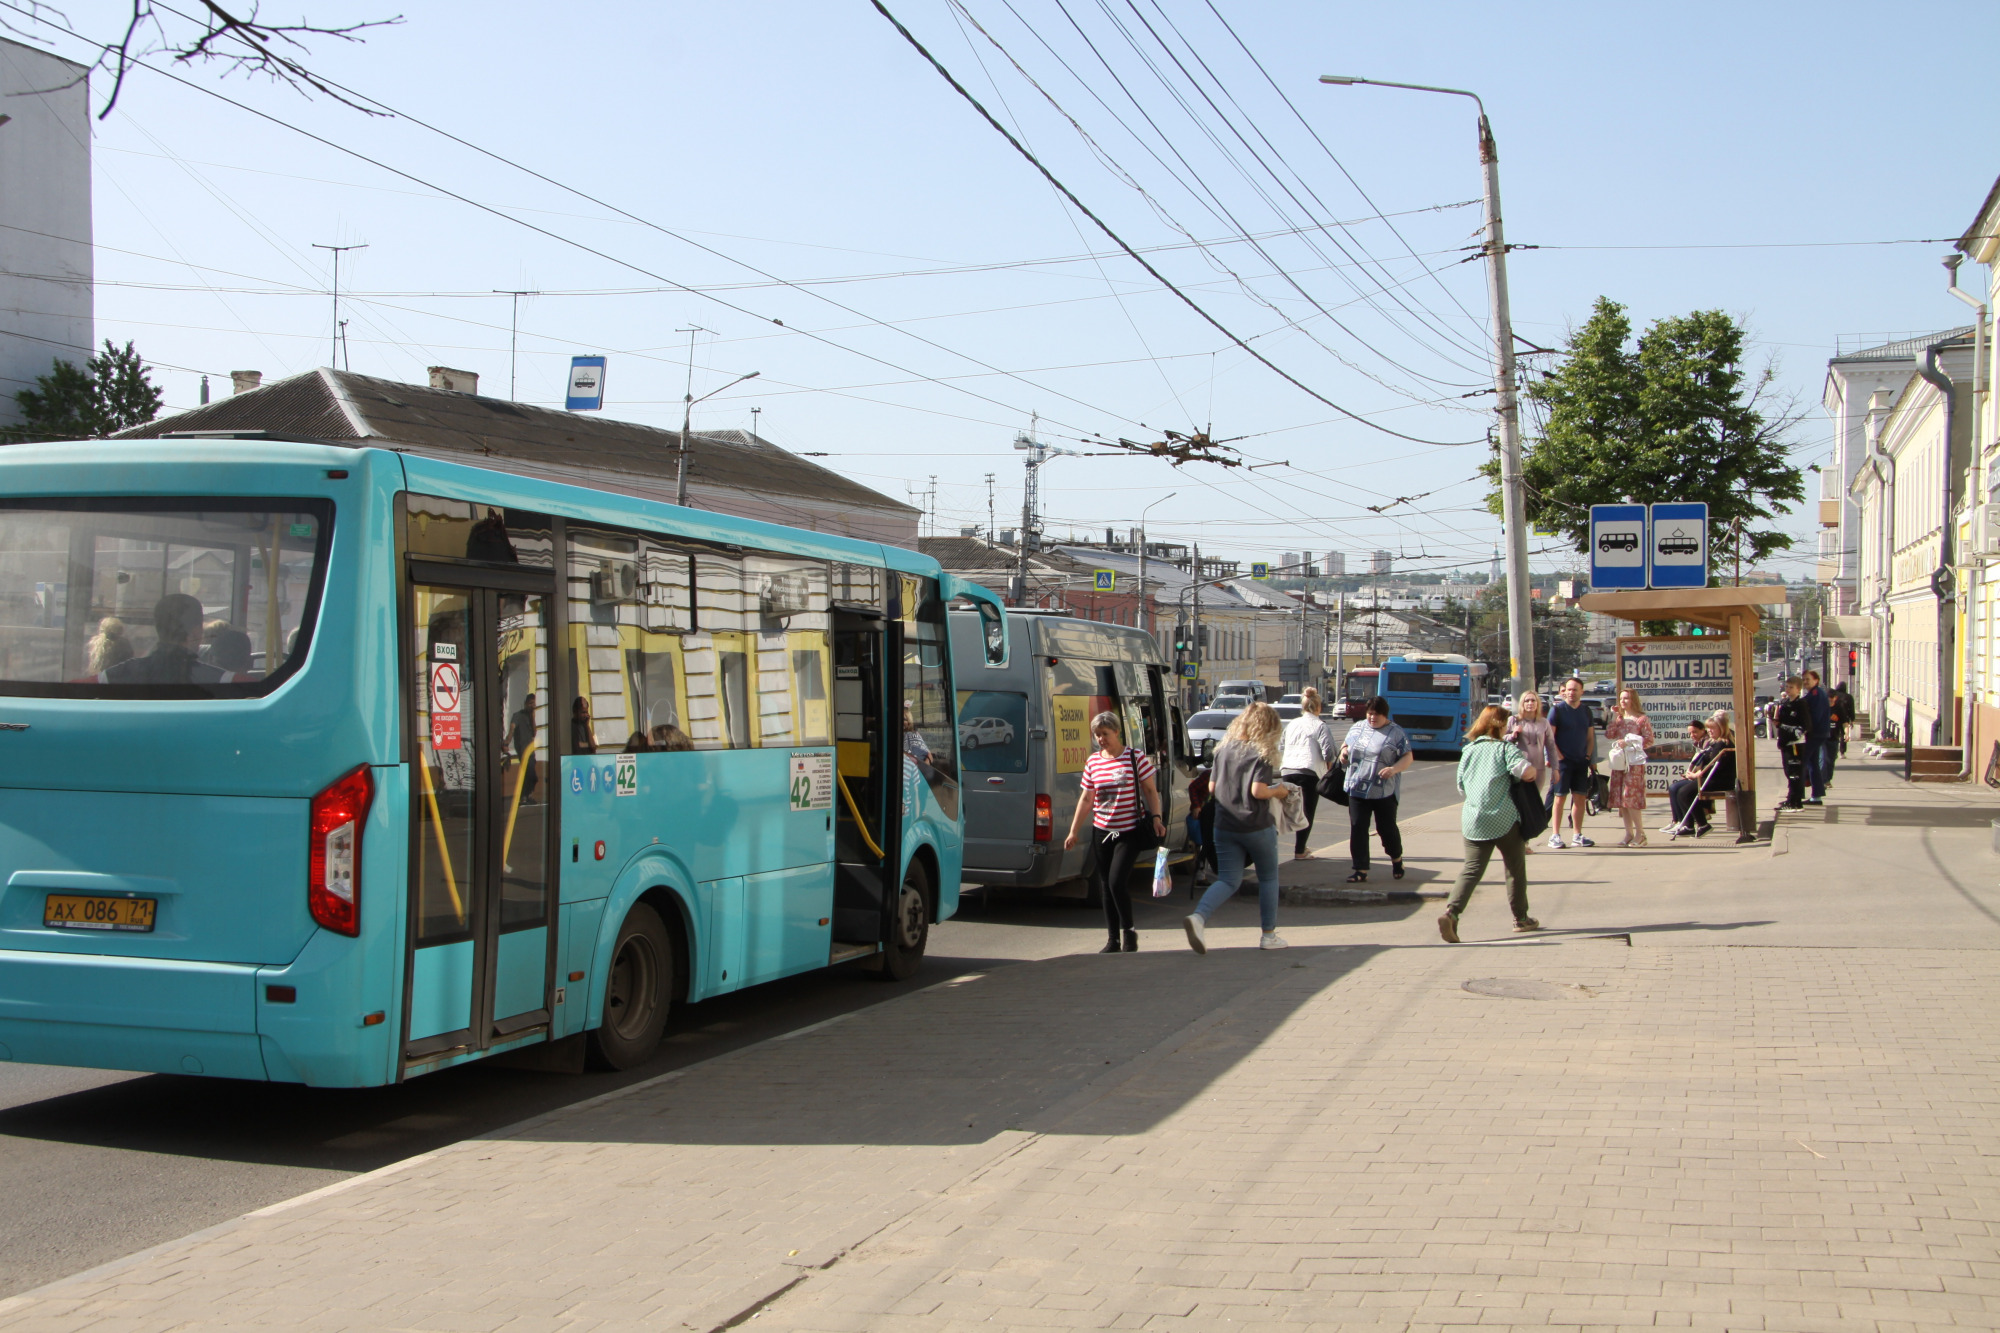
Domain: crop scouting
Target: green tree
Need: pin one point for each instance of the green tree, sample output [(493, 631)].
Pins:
[(112, 392), (1674, 417)]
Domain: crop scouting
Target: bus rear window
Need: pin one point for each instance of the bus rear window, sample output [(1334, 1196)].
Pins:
[(157, 597)]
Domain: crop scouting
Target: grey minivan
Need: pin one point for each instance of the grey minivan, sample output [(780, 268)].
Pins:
[(1031, 716)]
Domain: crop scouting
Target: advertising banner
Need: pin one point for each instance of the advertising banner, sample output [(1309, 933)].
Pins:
[(1681, 679)]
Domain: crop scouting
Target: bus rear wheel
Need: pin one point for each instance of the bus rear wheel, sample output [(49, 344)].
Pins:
[(909, 927), (638, 987)]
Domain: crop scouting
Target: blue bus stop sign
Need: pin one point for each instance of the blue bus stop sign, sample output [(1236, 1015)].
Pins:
[(1618, 546), (1678, 554), (586, 384)]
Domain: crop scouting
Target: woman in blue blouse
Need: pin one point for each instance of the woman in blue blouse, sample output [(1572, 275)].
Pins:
[(1376, 752)]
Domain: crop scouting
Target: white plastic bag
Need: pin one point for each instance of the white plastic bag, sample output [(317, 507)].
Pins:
[(1163, 879), (1288, 812)]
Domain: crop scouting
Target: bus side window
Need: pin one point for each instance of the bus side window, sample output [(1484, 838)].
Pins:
[(794, 618)]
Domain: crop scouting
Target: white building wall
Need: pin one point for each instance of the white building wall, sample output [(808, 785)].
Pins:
[(45, 234), (1849, 384)]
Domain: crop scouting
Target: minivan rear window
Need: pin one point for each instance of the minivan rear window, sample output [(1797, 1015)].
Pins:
[(993, 732), (158, 597)]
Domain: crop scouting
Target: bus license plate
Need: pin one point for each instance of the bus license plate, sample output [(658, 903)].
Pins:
[(77, 911)]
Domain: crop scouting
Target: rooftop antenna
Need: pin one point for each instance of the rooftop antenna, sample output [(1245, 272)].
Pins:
[(333, 352), (513, 335), (753, 422)]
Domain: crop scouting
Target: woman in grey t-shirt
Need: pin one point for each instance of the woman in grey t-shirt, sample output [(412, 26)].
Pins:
[(1244, 780)]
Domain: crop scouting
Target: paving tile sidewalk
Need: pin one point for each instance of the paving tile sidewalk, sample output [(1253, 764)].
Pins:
[(1685, 1130)]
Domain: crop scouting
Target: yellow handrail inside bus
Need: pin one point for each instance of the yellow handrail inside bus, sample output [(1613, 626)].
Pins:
[(859, 822), (514, 809), (444, 848)]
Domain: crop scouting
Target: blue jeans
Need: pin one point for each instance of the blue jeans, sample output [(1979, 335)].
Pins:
[(1815, 756), (1232, 852)]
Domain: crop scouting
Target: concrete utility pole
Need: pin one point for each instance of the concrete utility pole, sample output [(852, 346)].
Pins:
[(1340, 641), (687, 418), (1513, 498), (1146, 618), (1200, 653)]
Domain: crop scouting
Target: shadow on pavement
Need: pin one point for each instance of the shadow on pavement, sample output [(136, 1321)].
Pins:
[(359, 1129), (966, 1061)]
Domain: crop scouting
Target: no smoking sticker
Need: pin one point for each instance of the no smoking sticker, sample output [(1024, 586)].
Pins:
[(445, 697)]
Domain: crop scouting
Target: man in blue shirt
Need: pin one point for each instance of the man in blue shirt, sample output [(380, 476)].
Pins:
[(1819, 709), (1576, 748)]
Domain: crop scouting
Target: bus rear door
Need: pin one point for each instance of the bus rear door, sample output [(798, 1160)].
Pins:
[(477, 972)]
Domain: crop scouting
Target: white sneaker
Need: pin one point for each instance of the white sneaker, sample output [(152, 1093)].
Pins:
[(1556, 841), (1197, 932), (1272, 940), (1580, 841)]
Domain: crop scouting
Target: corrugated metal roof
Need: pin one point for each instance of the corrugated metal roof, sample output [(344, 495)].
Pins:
[(338, 405), (1907, 349)]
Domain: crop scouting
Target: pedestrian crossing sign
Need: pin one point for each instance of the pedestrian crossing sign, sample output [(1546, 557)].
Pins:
[(1260, 570), (1191, 670), (1107, 580)]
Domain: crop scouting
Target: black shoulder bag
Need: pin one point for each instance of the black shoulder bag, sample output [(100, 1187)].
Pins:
[(1333, 782), (1528, 805)]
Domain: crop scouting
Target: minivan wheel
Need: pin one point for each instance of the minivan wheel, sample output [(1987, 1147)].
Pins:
[(909, 927), (638, 989)]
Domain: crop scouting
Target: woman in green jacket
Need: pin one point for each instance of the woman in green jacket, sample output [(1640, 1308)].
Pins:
[(1486, 772)]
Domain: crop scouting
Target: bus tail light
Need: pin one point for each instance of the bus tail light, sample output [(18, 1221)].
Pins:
[(1045, 817), (333, 892)]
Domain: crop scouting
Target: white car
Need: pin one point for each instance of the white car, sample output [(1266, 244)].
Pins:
[(1292, 699), (1206, 729), (974, 732)]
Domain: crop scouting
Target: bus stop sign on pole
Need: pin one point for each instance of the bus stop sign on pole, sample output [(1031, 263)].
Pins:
[(1679, 554), (1618, 546)]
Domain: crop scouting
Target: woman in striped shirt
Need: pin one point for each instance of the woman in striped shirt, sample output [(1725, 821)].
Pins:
[(1120, 780)]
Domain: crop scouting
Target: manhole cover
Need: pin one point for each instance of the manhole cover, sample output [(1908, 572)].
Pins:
[(1517, 988)]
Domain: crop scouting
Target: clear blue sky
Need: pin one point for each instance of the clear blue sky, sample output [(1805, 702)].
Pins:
[(809, 141)]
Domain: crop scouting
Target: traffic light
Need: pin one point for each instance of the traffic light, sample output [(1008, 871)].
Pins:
[(1852, 661)]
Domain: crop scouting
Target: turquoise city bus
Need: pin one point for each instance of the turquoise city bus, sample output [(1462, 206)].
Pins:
[(337, 766)]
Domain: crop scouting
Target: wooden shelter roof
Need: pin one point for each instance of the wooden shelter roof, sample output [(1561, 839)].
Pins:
[(1712, 608)]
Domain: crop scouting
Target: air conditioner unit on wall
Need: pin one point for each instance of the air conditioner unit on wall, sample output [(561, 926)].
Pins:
[(614, 582), (1986, 530)]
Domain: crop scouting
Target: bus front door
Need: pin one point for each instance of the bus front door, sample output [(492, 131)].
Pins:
[(478, 968), (866, 824)]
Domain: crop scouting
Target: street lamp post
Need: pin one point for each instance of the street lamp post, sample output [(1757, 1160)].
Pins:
[(1146, 618), (1513, 506), (687, 417)]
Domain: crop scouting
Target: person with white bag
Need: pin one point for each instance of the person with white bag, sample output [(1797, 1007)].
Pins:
[(1118, 787), (1309, 751), (1246, 831), (1630, 733)]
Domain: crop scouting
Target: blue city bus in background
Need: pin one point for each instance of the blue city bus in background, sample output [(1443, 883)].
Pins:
[(1433, 697), (338, 766)]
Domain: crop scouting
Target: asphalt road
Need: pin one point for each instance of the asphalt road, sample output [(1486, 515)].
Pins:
[(96, 1165)]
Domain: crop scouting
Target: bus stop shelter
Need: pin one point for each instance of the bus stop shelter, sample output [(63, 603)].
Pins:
[(1734, 612)]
